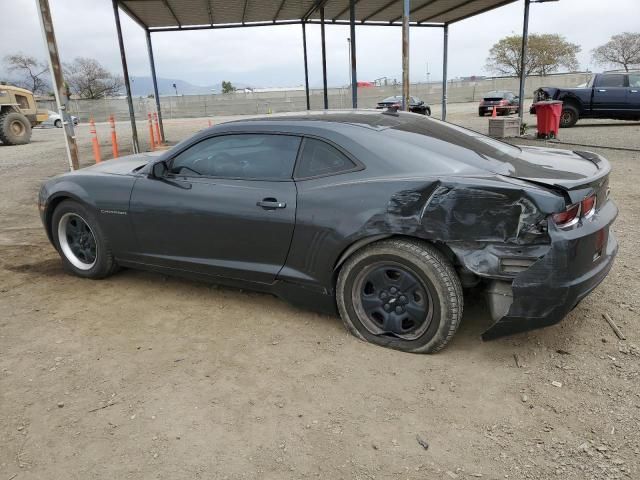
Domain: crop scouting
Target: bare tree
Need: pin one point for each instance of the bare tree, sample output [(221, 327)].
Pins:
[(546, 54), (88, 79), (31, 72), (623, 49)]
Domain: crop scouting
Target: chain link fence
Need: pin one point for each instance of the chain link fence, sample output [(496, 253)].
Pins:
[(251, 103)]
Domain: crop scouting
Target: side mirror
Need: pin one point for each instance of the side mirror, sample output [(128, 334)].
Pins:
[(159, 169)]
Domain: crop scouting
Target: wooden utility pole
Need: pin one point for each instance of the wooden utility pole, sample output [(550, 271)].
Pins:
[(406, 100), (60, 89)]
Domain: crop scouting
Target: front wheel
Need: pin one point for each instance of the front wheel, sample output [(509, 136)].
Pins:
[(402, 294), (15, 128), (427, 112), (80, 241), (58, 123)]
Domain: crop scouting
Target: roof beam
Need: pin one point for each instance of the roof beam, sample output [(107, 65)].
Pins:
[(414, 10), (484, 10), (208, 2), (342, 12), (275, 17), (379, 10), (244, 11), (318, 4), (132, 15), (463, 4), (268, 23), (173, 14)]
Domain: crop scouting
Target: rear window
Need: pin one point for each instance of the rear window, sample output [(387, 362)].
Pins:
[(319, 158), (392, 99), (422, 138), (495, 95)]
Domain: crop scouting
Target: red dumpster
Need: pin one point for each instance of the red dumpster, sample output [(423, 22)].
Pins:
[(548, 113)]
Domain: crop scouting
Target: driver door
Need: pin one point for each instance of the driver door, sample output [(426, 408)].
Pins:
[(226, 207)]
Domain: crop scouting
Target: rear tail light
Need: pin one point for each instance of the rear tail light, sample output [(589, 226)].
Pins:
[(573, 213), (588, 206), (568, 217)]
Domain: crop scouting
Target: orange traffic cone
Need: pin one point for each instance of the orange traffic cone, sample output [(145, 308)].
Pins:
[(152, 142), (495, 112), (94, 140), (157, 125), (114, 137)]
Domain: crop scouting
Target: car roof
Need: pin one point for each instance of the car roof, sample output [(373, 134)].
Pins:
[(373, 119)]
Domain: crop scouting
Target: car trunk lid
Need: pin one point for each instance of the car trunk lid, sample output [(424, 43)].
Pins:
[(569, 171)]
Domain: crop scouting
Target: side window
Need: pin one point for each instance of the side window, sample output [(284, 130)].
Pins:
[(610, 81), (634, 80), (320, 158), (249, 156), (22, 102)]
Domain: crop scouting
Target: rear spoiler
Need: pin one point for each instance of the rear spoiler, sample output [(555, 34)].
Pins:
[(592, 157)]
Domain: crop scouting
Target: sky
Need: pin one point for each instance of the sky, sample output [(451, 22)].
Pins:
[(272, 56)]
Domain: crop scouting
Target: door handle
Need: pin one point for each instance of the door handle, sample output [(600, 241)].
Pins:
[(601, 90), (271, 204)]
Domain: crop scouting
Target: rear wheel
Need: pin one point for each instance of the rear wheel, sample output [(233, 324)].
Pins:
[(401, 294), (58, 123), (15, 128), (569, 116), (80, 241)]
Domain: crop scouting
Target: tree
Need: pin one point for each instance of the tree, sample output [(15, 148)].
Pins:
[(227, 87), (88, 79), (546, 53), (31, 72), (623, 49)]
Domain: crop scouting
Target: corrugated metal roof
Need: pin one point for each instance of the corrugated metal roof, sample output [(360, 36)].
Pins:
[(194, 13)]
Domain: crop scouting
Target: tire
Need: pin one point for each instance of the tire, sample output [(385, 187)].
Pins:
[(15, 128), (426, 282), (427, 112), (480, 113), (70, 216), (569, 116), (58, 123)]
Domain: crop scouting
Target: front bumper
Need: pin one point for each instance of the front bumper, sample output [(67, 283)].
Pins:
[(543, 294)]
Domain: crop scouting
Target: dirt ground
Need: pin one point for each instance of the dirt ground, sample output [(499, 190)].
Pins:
[(144, 376)]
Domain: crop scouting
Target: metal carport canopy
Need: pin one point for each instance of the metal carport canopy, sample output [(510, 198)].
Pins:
[(184, 15)]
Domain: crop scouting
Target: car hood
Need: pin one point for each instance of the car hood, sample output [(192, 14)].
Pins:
[(563, 169), (122, 165)]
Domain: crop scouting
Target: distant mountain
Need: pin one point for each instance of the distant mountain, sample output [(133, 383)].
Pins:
[(143, 86)]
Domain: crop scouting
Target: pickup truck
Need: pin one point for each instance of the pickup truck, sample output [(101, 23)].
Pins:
[(614, 95)]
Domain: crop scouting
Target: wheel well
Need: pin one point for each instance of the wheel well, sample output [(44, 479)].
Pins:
[(572, 102), (48, 217), (363, 242)]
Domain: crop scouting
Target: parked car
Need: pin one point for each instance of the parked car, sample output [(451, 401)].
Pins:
[(415, 105), (505, 103), (614, 95), (56, 120), (383, 218)]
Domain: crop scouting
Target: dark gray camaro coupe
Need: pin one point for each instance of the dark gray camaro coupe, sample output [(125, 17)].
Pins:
[(382, 217)]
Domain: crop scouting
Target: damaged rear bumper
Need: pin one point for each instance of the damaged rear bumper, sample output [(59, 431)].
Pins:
[(577, 261)]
